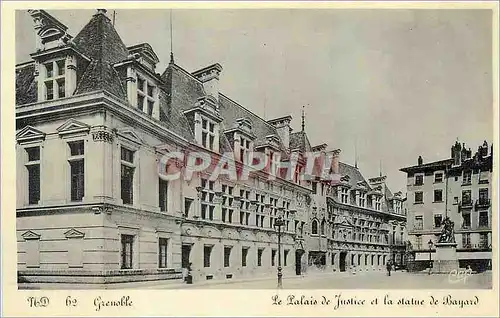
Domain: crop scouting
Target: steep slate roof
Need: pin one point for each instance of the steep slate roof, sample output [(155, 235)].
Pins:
[(26, 88), (354, 174), (231, 111), (300, 140), (100, 41)]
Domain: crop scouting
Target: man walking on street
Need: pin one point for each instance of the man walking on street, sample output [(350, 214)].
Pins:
[(389, 267)]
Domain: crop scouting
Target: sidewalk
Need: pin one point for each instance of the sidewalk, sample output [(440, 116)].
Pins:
[(177, 284), (313, 275)]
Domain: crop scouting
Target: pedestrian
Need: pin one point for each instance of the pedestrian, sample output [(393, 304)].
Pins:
[(389, 267), (189, 276)]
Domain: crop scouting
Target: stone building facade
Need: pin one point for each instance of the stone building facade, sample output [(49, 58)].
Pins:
[(458, 188), (95, 121)]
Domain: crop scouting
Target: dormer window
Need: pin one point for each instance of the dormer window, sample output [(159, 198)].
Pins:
[(146, 97), (362, 199), (377, 203), (344, 195), (55, 81), (244, 147), (208, 134)]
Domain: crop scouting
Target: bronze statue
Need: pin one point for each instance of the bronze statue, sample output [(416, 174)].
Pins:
[(447, 233)]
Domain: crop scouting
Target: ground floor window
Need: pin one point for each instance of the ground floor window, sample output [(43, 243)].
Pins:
[(127, 251), (227, 256), (259, 256), (273, 257), (162, 252), (285, 256), (207, 251), (244, 254)]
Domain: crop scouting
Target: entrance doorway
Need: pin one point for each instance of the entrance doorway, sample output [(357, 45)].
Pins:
[(298, 261), (343, 256), (186, 252)]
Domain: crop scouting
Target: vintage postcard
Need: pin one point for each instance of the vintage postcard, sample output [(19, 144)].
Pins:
[(249, 159)]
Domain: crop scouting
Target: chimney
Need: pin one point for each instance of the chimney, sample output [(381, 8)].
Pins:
[(456, 154), (209, 76), (420, 160), (283, 129)]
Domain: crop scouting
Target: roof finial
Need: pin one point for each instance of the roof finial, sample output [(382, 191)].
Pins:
[(380, 167), (303, 119), (356, 152), (171, 40), (114, 17)]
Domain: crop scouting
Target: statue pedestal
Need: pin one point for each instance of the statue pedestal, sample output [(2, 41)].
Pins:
[(446, 258)]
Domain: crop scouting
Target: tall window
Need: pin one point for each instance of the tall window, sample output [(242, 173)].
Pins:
[(127, 175), (438, 195), (315, 187), (467, 176), (419, 179), (127, 251), (438, 218), (207, 251), (260, 251), (76, 161), (314, 227), (418, 242), (244, 255), (33, 167), (145, 95), (344, 195), (227, 256), (244, 207), (419, 197), (55, 80), (208, 134), (419, 222), (187, 205), (465, 220), (162, 252), (483, 196), (207, 199), (227, 203), (483, 219), (163, 194), (466, 240), (466, 197), (483, 240), (285, 256), (438, 177), (260, 211), (273, 257), (323, 223)]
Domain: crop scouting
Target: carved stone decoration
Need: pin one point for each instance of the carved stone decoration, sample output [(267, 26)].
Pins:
[(102, 209), (73, 233), (102, 135)]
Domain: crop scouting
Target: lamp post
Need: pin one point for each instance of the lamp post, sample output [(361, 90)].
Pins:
[(278, 223), (430, 255)]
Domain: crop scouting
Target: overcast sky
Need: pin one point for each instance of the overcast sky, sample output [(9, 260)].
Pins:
[(398, 83)]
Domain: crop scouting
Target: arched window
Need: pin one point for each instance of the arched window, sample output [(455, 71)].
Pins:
[(323, 227), (314, 225)]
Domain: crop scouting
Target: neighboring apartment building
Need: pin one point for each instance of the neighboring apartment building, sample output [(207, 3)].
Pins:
[(355, 224), (94, 120), (458, 188)]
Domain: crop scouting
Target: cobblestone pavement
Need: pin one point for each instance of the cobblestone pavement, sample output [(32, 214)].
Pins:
[(377, 280)]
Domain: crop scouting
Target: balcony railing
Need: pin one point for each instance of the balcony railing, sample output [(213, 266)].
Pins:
[(465, 204), (480, 246), (483, 203)]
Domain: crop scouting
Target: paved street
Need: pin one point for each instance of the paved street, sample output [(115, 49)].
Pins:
[(377, 280)]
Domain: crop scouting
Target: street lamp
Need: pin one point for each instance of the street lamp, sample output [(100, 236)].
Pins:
[(278, 223), (430, 255)]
